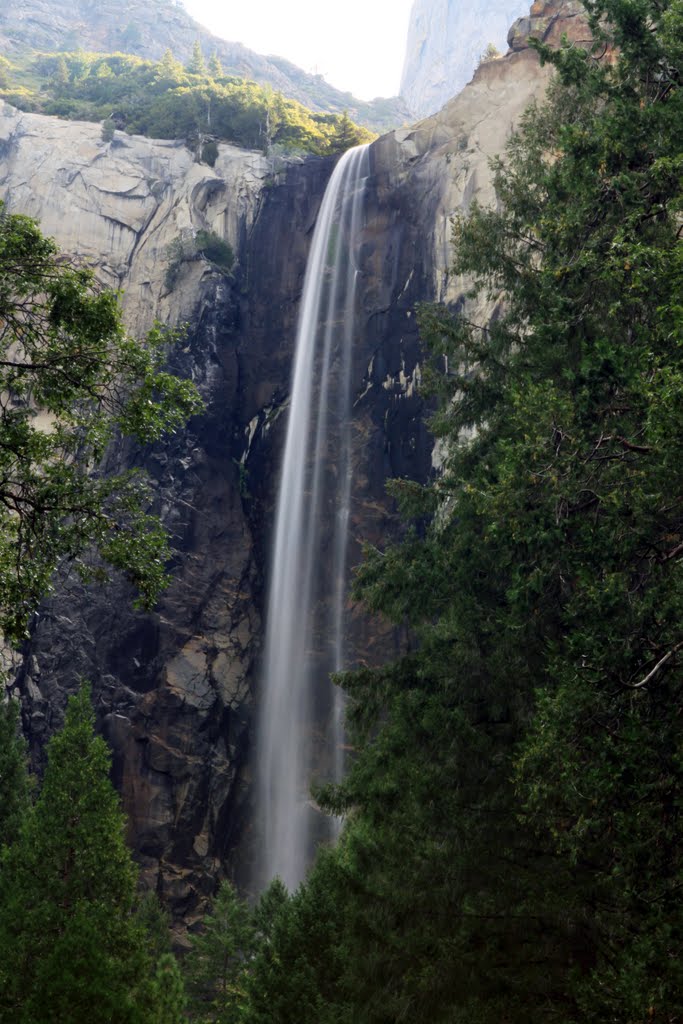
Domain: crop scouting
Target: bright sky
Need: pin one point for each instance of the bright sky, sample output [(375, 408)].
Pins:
[(357, 45)]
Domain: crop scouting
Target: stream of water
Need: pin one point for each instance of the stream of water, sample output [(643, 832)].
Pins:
[(300, 725)]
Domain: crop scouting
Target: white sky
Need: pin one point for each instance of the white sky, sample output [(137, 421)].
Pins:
[(357, 45)]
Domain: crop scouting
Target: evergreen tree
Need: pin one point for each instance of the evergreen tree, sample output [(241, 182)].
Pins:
[(346, 134), (163, 100), (60, 78), (267, 910), (70, 947), (551, 572), (295, 976), (217, 963), (156, 924), (169, 996), (108, 130), (14, 788), (215, 66), (196, 65), (169, 68)]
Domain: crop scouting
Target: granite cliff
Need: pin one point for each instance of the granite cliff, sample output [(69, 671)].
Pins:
[(175, 690), (446, 40)]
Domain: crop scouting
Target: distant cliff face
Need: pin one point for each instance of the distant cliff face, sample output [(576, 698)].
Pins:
[(175, 690), (147, 28), (446, 39)]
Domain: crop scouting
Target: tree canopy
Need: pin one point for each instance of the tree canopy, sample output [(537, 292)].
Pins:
[(71, 379), (164, 100), (71, 948)]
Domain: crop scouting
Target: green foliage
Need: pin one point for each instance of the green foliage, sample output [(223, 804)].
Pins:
[(108, 130), (196, 65), (70, 947), (215, 66), (60, 74), (185, 248), (156, 924), (490, 53), (168, 988), (513, 850), (217, 964), (14, 788), (209, 153), (72, 379), (168, 70), (162, 99), (215, 248), (243, 479), (177, 252), (265, 965), (294, 974), (266, 912), (346, 134)]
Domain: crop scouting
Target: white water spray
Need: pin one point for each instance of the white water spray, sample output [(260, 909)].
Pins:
[(308, 585)]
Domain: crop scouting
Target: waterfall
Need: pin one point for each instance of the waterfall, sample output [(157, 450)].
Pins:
[(300, 725)]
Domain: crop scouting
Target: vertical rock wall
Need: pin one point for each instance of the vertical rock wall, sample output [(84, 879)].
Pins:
[(446, 40)]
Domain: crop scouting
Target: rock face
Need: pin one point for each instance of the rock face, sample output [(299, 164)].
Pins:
[(446, 40), (175, 690), (148, 28), (119, 205), (171, 689), (549, 21)]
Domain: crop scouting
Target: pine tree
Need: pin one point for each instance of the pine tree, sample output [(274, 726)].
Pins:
[(346, 134), (216, 965), (196, 65), (295, 975), (215, 66), (547, 592), (70, 947), (169, 67), (155, 921), (60, 77), (108, 130), (14, 788), (168, 990)]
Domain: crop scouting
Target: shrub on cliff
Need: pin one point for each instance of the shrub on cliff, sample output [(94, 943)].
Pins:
[(215, 248), (187, 247)]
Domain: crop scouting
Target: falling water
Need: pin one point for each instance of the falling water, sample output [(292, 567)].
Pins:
[(307, 593)]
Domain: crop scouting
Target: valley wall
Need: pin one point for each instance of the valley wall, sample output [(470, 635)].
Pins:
[(175, 690)]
